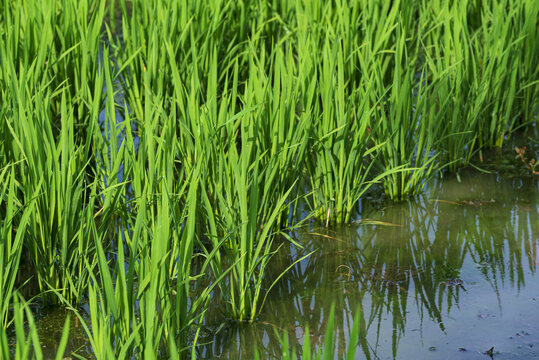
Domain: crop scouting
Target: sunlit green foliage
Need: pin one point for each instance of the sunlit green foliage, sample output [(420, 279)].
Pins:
[(190, 131)]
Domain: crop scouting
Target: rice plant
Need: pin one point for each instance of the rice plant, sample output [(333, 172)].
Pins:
[(52, 91), (343, 152), (451, 63), (57, 43), (54, 179), (247, 217), (479, 76), (15, 220)]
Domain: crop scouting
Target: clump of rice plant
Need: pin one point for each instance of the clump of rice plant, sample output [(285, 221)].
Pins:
[(245, 214), (405, 125), (343, 153), (52, 95), (13, 228), (451, 64), (477, 74), (51, 174)]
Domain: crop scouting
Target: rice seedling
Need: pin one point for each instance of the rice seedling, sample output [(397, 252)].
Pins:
[(281, 131), (498, 72), (451, 63), (480, 73), (52, 90), (14, 222), (406, 126), (51, 174), (256, 171), (248, 221), (343, 153), (527, 62)]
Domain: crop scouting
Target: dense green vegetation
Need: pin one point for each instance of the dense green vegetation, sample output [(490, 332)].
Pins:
[(191, 132)]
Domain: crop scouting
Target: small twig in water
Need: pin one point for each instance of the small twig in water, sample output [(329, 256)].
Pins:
[(529, 164)]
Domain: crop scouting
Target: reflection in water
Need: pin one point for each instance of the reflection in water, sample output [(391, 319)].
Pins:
[(446, 276)]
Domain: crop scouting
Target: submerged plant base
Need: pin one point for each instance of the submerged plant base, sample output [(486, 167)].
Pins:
[(455, 278)]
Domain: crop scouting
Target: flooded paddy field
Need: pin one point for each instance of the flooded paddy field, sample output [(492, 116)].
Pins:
[(450, 275), (268, 179)]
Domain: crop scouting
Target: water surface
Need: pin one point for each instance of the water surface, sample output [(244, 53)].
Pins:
[(449, 275)]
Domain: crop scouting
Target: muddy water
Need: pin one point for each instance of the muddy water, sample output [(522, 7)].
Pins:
[(50, 324), (450, 275)]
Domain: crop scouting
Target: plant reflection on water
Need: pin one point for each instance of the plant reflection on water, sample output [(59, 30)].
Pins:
[(459, 254)]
